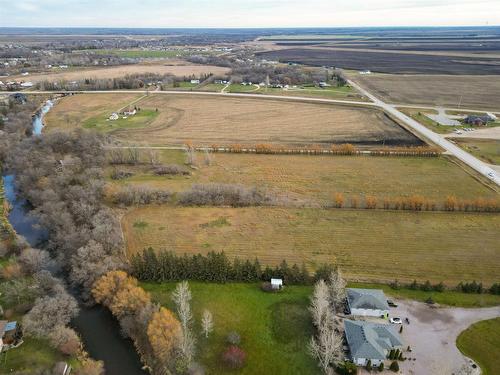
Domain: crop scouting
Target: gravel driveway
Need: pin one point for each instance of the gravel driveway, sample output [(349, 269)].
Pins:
[(432, 334)]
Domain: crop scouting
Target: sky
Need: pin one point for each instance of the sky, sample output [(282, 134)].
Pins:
[(248, 13)]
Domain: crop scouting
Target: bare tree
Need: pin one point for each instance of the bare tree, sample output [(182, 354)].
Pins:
[(326, 346), (153, 156), (337, 286), (35, 260), (208, 158), (191, 155), (182, 298), (207, 323), (319, 303)]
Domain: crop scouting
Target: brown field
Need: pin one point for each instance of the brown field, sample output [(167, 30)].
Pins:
[(123, 70), (70, 111), (223, 120), (315, 179), (481, 92), (369, 245)]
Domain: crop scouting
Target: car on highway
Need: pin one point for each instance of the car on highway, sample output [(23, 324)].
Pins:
[(396, 320)]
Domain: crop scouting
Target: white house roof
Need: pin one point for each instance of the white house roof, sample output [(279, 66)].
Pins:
[(277, 281), (370, 299)]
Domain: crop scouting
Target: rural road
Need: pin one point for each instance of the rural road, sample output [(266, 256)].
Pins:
[(476, 164), (462, 155)]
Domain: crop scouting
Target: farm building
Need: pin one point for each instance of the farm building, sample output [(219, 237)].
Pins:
[(478, 120), (113, 117), (370, 341), (195, 81), (367, 302), (276, 284), (9, 334)]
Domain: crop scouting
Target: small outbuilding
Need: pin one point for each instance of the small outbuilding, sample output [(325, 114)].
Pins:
[(367, 302), (276, 284)]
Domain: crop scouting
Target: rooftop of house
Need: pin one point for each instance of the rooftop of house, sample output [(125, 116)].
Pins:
[(370, 340), (372, 299)]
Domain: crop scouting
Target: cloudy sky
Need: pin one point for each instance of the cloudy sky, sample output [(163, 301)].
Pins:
[(248, 13)]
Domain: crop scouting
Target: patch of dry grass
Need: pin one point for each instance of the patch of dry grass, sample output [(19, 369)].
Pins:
[(316, 179), (223, 120), (369, 245), (122, 70)]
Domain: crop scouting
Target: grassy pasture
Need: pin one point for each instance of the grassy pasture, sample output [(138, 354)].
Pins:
[(315, 179), (481, 342), (140, 120), (273, 327), (223, 120), (487, 150), (368, 245)]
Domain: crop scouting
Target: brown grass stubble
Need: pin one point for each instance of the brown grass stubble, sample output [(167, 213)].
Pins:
[(231, 120)]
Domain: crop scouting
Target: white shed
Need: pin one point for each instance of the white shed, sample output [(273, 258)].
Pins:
[(277, 283)]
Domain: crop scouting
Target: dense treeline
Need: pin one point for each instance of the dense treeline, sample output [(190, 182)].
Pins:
[(128, 82), (213, 267), (166, 266), (336, 149), (34, 277), (463, 287), (415, 203), (225, 195)]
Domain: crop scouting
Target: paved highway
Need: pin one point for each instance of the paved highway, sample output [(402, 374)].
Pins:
[(476, 164)]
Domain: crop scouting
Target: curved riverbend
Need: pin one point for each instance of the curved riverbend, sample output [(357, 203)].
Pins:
[(99, 330)]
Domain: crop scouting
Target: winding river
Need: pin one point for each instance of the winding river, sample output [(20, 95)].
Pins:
[(99, 330)]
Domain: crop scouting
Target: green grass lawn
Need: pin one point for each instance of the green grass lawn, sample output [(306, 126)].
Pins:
[(142, 119), (419, 115), (481, 342), (215, 87), (32, 357), (235, 88), (274, 328), (487, 150)]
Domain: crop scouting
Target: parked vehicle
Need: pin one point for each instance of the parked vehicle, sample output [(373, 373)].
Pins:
[(396, 320), (392, 303)]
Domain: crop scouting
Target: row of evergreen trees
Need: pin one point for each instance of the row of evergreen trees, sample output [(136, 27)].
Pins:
[(213, 267)]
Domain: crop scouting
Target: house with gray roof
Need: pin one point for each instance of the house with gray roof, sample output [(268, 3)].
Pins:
[(370, 341), (367, 302)]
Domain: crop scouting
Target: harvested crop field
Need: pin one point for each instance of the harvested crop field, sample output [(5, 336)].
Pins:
[(385, 62), (226, 120), (370, 245), (436, 90), (70, 112), (316, 179), (123, 70)]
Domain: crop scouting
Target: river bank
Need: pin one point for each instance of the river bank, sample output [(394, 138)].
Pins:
[(98, 329)]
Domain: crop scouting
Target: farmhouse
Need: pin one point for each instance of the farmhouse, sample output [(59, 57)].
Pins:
[(9, 334), (195, 81), (113, 117), (370, 341), (478, 120), (367, 302)]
